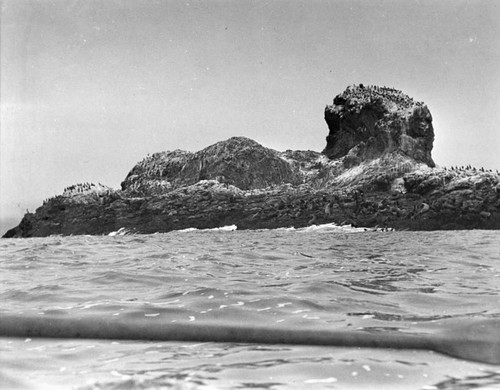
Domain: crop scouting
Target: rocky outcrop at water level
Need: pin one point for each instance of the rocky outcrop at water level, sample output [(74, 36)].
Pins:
[(376, 170)]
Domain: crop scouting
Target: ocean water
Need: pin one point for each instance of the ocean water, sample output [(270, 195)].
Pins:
[(345, 279)]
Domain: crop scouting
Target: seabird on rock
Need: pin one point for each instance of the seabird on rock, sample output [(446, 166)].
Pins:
[(312, 221)]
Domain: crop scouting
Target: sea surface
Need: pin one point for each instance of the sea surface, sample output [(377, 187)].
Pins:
[(341, 278)]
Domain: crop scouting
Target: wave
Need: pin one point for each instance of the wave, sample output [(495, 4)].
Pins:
[(120, 232), (228, 228), (333, 228), (322, 228)]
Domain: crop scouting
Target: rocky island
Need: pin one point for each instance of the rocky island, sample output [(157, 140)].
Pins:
[(375, 171)]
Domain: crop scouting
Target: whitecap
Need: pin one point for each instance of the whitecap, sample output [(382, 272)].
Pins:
[(228, 228), (332, 228), (120, 232)]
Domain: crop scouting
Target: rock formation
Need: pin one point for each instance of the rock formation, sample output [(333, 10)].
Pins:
[(239, 161), (376, 170), (369, 122)]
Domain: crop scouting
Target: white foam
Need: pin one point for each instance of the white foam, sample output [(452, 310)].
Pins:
[(332, 228), (322, 228), (120, 232), (228, 228)]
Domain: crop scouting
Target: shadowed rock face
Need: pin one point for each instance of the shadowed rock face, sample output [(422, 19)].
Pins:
[(369, 122)]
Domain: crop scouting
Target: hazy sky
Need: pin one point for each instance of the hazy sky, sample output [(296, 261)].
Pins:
[(89, 88)]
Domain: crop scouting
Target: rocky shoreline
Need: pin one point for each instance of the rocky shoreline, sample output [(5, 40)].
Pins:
[(376, 170)]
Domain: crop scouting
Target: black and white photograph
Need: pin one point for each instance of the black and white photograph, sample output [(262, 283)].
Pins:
[(249, 194)]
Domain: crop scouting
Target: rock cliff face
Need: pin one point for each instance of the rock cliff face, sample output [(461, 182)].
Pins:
[(369, 122), (376, 170), (239, 161)]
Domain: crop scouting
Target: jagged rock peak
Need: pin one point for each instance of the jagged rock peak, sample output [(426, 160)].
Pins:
[(367, 122)]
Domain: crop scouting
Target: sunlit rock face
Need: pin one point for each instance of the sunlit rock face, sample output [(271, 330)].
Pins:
[(369, 122)]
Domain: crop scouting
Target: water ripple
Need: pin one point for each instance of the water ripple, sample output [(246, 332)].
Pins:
[(405, 281)]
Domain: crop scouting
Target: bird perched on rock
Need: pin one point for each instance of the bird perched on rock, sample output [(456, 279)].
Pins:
[(313, 220), (328, 209)]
